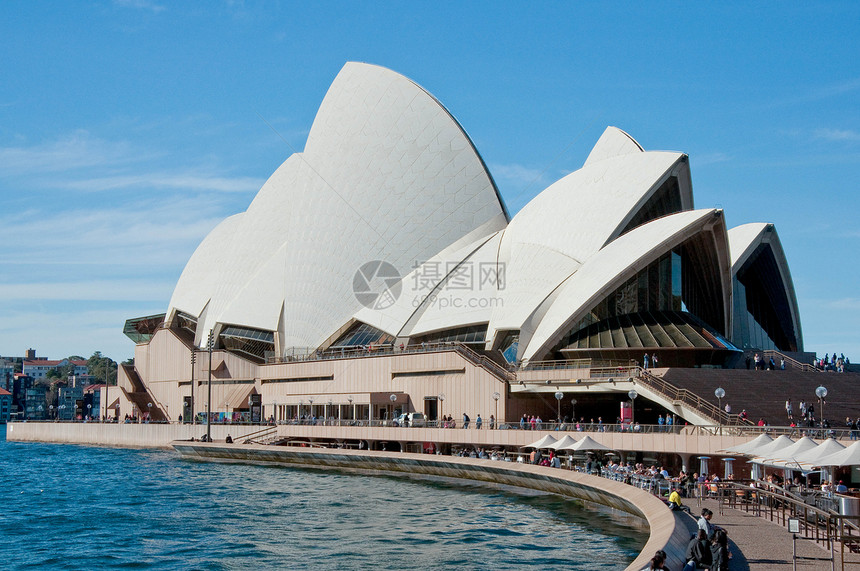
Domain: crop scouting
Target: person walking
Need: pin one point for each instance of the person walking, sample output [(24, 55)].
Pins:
[(466, 420), (788, 409)]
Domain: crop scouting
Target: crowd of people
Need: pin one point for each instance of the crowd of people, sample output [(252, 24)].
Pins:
[(840, 363)]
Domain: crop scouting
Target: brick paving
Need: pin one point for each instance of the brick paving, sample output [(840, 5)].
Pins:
[(759, 545)]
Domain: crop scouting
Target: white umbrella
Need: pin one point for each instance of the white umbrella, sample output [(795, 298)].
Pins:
[(544, 442), (806, 460), (850, 456), (587, 443), (767, 449), (564, 442), (759, 440), (805, 444)]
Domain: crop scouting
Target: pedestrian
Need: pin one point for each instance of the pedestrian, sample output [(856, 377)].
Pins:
[(654, 360), (466, 420), (788, 409), (492, 422), (720, 551), (645, 362), (478, 421)]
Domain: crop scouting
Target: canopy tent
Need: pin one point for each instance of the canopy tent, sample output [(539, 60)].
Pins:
[(806, 460), (586, 443), (759, 440), (850, 456), (544, 442), (563, 443), (765, 450), (788, 453)]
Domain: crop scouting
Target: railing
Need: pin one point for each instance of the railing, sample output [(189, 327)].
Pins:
[(484, 362), (793, 363), (825, 526), (262, 436), (693, 400)]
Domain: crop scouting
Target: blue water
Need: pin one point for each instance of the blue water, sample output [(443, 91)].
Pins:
[(78, 507)]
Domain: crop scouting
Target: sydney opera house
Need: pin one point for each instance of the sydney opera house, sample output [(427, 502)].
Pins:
[(379, 271)]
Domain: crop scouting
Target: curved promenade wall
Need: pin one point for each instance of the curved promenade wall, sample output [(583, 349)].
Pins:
[(668, 531)]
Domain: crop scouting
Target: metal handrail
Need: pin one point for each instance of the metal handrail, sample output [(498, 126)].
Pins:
[(689, 398), (795, 364)]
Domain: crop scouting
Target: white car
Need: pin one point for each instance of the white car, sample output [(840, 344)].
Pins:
[(409, 419)]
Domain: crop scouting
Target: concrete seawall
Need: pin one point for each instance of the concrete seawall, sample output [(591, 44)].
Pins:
[(668, 531), (121, 435)]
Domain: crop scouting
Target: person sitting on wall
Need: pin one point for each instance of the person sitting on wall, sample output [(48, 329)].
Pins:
[(229, 439), (675, 501)]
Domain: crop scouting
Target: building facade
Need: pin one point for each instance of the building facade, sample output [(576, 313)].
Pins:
[(379, 271)]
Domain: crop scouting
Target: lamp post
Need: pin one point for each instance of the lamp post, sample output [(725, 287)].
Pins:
[(328, 414), (496, 397), (193, 362), (393, 398), (51, 413), (89, 410), (210, 342), (558, 396), (117, 411), (351, 410), (720, 393), (441, 400), (107, 378), (149, 412), (632, 394), (821, 392), (299, 416), (573, 410)]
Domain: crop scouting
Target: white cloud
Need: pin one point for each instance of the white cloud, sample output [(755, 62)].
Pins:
[(849, 303), (149, 234), (141, 5), (70, 153), (837, 134), (190, 180), (97, 290), (516, 173), (702, 159)]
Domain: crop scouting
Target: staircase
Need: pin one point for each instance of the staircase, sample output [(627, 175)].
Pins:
[(140, 397)]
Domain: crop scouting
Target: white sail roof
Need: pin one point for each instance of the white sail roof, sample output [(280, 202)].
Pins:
[(387, 174)]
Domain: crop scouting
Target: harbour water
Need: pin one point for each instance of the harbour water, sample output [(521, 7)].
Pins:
[(78, 507)]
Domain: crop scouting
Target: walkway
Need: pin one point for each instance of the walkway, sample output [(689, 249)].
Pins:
[(759, 545)]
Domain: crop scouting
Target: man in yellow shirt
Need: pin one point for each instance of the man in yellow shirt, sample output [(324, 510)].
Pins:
[(675, 501)]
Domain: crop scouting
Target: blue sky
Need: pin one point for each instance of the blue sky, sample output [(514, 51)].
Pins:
[(129, 129)]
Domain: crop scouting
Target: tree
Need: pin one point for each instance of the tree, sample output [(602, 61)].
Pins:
[(97, 365)]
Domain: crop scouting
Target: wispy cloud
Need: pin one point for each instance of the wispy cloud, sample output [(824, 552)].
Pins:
[(517, 174), (141, 5), (849, 303), (96, 290), (703, 159), (192, 180), (72, 152), (143, 232), (837, 134)]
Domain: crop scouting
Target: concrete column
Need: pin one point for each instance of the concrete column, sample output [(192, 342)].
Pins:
[(686, 460)]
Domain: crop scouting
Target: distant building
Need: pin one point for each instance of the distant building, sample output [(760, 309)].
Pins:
[(93, 401), (20, 384), (34, 404), (38, 368), (69, 399), (5, 405), (7, 371)]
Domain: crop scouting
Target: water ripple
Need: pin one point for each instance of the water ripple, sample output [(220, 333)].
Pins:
[(76, 507)]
